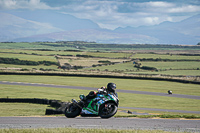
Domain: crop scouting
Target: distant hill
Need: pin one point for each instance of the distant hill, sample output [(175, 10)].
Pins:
[(54, 26), (90, 35), (183, 32), (57, 19), (12, 27)]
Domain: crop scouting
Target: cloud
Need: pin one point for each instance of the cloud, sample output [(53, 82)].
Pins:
[(159, 4), (24, 4), (185, 9), (7, 4), (114, 13)]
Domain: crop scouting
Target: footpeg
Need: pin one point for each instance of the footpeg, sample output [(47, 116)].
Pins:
[(76, 103)]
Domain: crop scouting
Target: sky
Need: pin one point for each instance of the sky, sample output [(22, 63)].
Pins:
[(111, 14)]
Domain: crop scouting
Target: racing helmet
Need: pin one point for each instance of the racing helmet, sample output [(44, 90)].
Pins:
[(111, 87)]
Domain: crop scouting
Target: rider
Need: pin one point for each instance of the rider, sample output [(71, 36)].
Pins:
[(103, 90)]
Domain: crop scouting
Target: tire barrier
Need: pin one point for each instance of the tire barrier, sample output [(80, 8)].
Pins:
[(53, 112), (57, 104), (59, 109), (25, 100)]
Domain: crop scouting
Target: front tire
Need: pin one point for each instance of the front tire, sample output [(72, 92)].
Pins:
[(72, 111), (107, 110)]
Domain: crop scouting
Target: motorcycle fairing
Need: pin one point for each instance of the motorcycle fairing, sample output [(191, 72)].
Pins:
[(93, 106)]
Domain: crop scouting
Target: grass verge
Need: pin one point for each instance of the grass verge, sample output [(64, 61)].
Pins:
[(162, 116), (22, 109), (73, 130)]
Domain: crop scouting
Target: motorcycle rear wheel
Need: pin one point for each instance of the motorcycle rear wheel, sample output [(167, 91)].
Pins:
[(72, 111), (107, 110)]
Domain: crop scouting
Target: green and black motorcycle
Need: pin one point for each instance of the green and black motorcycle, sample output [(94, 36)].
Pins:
[(103, 105)]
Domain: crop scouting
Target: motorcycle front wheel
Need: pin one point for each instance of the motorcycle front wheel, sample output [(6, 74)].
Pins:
[(107, 110), (72, 111)]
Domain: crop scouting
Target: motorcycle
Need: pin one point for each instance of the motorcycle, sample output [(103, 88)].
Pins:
[(103, 105)]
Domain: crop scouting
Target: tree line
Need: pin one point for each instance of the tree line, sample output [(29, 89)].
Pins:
[(83, 45), (17, 61)]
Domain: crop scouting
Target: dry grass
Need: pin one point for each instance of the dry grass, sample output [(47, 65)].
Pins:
[(86, 62), (73, 130)]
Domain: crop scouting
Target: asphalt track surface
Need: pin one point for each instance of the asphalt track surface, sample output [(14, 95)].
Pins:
[(118, 90), (97, 122)]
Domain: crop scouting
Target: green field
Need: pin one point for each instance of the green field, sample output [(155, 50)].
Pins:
[(28, 57), (174, 61), (177, 62), (93, 46), (22, 109), (173, 65), (110, 54), (126, 100), (39, 52), (165, 56), (158, 65), (123, 84), (15, 67)]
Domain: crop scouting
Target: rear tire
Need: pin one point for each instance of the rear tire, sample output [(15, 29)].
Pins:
[(72, 111), (109, 111)]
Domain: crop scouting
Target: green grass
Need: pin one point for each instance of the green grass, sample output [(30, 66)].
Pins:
[(116, 67), (165, 56), (86, 46), (173, 65), (126, 99), (123, 84), (161, 66), (109, 54), (24, 45), (28, 57), (159, 102), (184, 73), (122, 68), (85, 62), (16, 45), (15, 91), (74, 130), (52, 53), (22, 109), (24, 51), (10, 66), (161, 116)]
